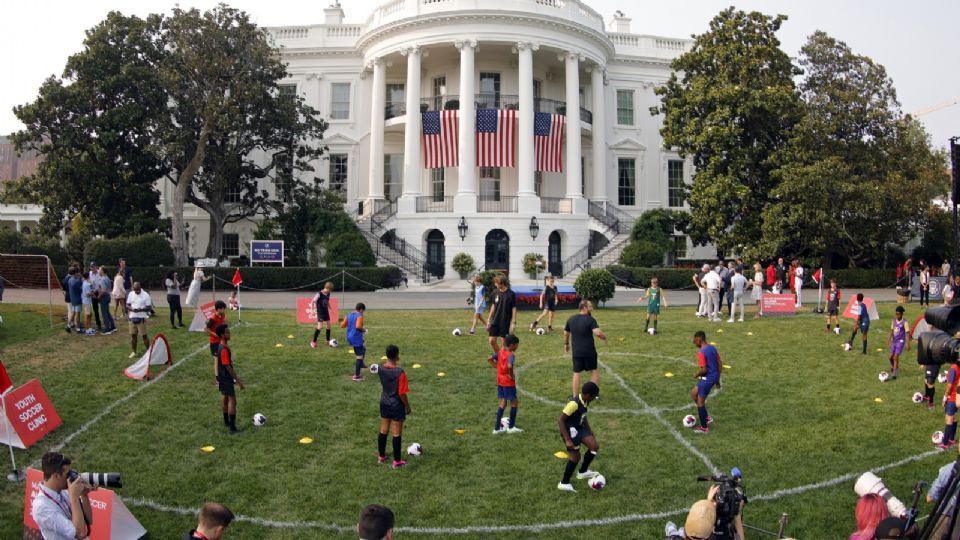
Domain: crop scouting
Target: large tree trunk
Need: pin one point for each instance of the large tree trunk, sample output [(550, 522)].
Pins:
[(215, 239), (184, 185)]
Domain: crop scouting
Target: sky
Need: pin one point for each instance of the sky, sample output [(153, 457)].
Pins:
[(917, 42)]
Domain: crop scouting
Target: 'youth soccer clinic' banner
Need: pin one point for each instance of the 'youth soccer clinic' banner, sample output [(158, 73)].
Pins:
[(307, 310), (28, 415), (778, 304)]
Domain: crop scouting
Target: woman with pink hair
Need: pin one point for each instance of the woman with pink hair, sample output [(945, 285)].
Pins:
[(871, 510)]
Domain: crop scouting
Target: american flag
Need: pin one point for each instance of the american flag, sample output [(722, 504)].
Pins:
[(496, 131), (548, 141), (440, 130)]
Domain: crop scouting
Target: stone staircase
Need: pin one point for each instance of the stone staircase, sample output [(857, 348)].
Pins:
[(389, 248)]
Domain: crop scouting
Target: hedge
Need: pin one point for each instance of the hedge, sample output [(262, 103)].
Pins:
[(679, 278), (261, 277), (144, 250)]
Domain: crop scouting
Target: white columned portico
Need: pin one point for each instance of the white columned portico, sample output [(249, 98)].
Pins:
[(466, 198), (527, 200), (378, 104), (599, 128), (574, 185), (411, 134)]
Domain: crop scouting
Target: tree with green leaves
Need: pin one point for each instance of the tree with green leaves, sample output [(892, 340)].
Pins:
[(730, 104), (856, 173), (93, 126), (650, 239)]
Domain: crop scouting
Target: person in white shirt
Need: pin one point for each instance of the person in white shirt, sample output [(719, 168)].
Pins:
[(737, 285), (945, 268), (798, 283), (711, 282), (139, 307), (61, 506), (758, 289)]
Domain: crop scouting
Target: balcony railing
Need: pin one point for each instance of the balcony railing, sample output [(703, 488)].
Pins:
[(487, 203), (440, 103), (432, 203), (556, 205), (484, 101)]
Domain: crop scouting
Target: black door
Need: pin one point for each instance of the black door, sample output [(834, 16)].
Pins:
[(436, 262), (497, 253), (554, 258)]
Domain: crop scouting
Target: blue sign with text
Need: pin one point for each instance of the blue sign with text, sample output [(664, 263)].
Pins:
[(266, 251)]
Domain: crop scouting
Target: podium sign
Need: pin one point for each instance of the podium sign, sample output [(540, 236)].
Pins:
[(307, 311)]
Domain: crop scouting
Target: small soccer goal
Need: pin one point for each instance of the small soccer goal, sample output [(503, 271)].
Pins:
[(157, 355), (29, 273)]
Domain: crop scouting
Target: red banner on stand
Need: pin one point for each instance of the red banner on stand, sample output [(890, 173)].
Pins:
[(307, 311), (28, 415), (778, 304)]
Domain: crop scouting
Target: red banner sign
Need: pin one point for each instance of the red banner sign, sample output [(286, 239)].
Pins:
[(778, 304), (307, 310), (111, 520), (28, 415)]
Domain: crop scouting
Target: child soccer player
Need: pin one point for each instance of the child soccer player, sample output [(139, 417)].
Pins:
[(708, 359), (322, 300), (653, 296), (234, 302), (394, 406), (863, 323), (506, 384), (479, 304), (219, 317), (898, 338), (574, 429), (355, 330), (929, 383), (226, 377), (833, 307), (950, 407), (548, 303)]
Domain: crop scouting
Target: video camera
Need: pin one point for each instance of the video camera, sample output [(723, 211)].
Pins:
[(729, 498), (940, 346), (110, 479)]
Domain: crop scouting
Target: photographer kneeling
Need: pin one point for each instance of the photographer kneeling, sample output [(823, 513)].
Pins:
[(703, 523), (61, 507)]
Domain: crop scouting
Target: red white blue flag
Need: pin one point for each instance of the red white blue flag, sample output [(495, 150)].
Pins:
[(440, 129), (496, 134), (548, 141)]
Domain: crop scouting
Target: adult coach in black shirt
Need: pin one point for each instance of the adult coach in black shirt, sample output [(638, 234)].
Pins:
[(581, 328), (502, 320)]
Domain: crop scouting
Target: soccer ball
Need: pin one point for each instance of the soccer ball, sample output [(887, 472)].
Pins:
[(883, 376), (847, 347), (689, 421), (456, 331), (942, 378), (414, 449), (541, 331), (651, 331), (334, 343), (259, 419), (504, 423), (374, 368), (597, 483), (937, 437), (917, 397)]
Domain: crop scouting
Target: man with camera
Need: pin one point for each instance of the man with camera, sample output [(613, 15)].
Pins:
[(706, 521), (61, 507)]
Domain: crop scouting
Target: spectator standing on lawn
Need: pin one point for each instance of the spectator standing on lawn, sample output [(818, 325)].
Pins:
[(757, 286), (119, 296), (771, 274), (88, 294), (93, 277), (139, 307), (798, 283), (698, 281), (193, 293), (127, 274), (924, 278), (738, 284), (103, 294), (711, 282), (172, 283), (724, 272)]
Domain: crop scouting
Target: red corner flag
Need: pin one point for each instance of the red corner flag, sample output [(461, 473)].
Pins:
[(5, 383), (817, 275), (237, 280)]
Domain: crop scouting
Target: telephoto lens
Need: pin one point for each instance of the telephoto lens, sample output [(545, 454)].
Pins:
[(109, 479)]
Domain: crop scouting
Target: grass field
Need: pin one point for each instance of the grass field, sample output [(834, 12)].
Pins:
[(795, 412)]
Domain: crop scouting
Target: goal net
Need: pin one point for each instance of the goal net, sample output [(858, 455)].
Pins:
[(25, 277), (157, 355)]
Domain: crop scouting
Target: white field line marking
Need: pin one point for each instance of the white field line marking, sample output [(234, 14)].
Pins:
[(535, 527), (656, 414), (109, 408)]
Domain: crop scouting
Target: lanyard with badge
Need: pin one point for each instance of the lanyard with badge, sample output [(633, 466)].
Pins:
[(65, 507)]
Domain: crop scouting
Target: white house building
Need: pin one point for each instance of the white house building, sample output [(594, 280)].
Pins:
[(412, 63)]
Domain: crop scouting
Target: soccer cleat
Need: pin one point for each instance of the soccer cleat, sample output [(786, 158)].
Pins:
[(472, 332), (357, 379), (381, 459), (533, 325), (709, 420), (313, 344), (398, 464), (944, 446), (68, 329), (730, 319), (132, 355), (514, 429), (499, 431), (586, 474), (549, 328), (740, 319), (701, 429), (566, 487)]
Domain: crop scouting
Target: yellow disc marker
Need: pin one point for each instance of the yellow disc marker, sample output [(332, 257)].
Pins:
[(207, 449), (290, 336), (719, 330), (727, 366), (415, 366), (878, 400), (714, 343), (879, 350), (621, 338), (561, 455), (749, 333), (384, 357), (459, 431), (441, 374), (279, 345), (306, 440), (668, 374)]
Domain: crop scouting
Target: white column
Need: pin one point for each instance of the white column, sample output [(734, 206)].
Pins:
[(17, 225), (599, 128), (378, 104), (574, 191), (411, 134), (527, 200), (466, 198)]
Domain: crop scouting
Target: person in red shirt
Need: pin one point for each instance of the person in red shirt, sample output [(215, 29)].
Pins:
[(226, 377), (506, 385), (219, 317), (394, 406), (950, 407), (771, 274)]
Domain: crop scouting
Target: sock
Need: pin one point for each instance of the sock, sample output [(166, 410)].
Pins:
[(496, 426), (568, 472), (316, 334), (226, 419), (949, 433), (513, 416), (853, 335), (233, 422), (382, 444), (357, 368), (702, 413), (895, 370), (396, 449), (587, 459), (655, 325), (891, 362), (864, 346), (933, 392), (953, 432), (646, 324), (328, 334)]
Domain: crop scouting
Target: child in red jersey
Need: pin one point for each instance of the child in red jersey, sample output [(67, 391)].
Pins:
[(506, 385), (394, 406), (226, 377)]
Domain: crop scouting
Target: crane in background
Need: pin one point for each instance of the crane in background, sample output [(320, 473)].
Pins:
[(934, 108)]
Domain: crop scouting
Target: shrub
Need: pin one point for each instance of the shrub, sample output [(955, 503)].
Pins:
[(145, 250), (12, 242), (452, 105), (533, 263), (463, 263), (596, 285), (642, 253), (487, 278), (347, 247)]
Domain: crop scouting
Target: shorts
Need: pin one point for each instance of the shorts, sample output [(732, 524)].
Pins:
[(138, 326), (578, 434), (584, 363), (551, 306), (215, 349), (951, 407), (508, 393), (651, 310), (496, 331), (323, 316), (393, 412), (864, 327), (833, 311), (226, 387), (359, 351), (930, 374), (897, 347), (704, 387), (75, 308), (479, 309), (87, 309)]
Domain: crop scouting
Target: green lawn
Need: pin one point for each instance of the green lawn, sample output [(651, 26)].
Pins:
[(795, 410)]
